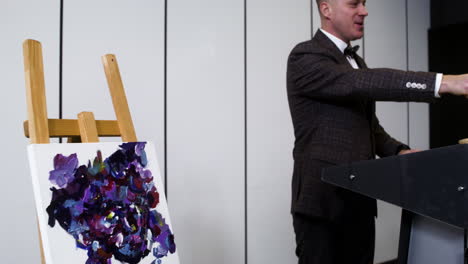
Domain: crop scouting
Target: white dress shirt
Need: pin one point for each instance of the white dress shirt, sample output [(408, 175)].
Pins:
[(342, 46)]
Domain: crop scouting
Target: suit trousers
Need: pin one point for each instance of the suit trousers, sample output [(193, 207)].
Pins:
[(351, 240)]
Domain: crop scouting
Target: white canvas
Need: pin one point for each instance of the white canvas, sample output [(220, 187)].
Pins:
[(112, 212)]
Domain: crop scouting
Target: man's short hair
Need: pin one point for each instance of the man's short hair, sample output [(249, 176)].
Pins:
[(320, 1)]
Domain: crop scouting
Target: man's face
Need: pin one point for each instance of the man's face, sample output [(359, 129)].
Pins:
[(346, 18)]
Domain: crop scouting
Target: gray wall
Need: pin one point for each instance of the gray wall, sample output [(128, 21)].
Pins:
[(205, 129), (18, 21), (216, 111), (274, 27)]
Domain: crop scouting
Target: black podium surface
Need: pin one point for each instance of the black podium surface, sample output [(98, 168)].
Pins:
[(432, 189), (432, 183)]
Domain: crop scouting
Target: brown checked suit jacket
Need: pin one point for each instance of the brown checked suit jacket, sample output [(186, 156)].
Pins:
[(333, 112)]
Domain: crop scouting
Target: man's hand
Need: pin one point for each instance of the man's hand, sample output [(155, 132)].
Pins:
[(408, 151), (454, 84)]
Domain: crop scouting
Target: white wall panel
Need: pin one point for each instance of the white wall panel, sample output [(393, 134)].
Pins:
[(205, 160), (20, 20), (418, 25), (315, 16), (134, 32), (274, 27), (385, 46)]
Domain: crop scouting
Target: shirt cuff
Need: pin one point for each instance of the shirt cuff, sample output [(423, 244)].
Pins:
[(438, 82)]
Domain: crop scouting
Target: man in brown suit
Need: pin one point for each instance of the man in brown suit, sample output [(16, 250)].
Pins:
[(332, 98)]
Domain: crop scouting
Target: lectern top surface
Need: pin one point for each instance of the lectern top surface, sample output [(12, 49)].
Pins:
[(432, 183)]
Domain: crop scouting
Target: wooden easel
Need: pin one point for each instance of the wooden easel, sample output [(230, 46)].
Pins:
[(39, 128)]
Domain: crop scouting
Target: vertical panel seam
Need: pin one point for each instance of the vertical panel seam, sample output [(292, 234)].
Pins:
[(165, 99), (364, 47), (246, 259), (312, 18), (61, 64), (407, 68)]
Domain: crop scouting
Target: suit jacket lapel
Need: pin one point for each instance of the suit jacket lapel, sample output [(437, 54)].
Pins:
[(325, 42), (368, 106), (329, 45), (362, 64)]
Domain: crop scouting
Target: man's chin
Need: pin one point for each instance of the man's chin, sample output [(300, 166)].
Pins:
[(358, 36)]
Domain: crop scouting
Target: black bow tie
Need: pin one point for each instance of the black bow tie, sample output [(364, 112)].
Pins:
[(351, 51)]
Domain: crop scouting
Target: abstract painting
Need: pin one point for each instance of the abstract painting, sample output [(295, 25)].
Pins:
[(101, 203)]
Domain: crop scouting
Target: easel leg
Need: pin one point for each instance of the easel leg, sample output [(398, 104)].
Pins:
[(87, 125)]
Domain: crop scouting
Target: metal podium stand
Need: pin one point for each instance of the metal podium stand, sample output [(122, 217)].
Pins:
[(432, 189)]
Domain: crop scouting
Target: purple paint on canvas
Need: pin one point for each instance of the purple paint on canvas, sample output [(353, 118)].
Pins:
[(64, 167), (109, 206)]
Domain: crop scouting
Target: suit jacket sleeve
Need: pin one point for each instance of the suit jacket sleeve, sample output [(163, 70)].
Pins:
[(315, 73), (385, 145)]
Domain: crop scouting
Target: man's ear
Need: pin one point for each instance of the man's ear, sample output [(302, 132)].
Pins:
[(325, 9)]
